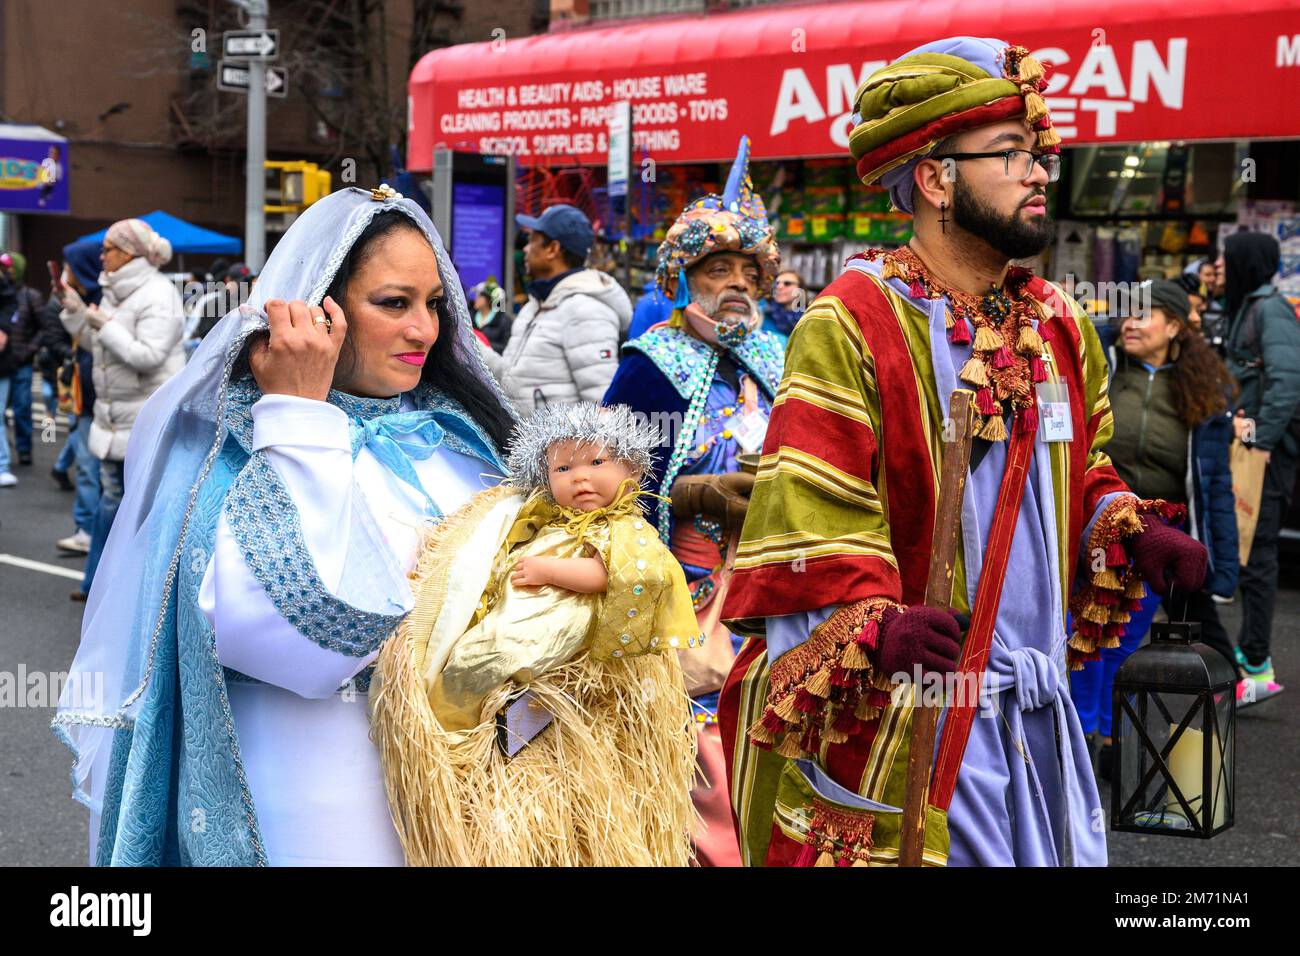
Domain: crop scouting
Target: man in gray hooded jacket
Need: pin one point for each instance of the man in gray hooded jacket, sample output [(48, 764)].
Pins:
[(563, 345)]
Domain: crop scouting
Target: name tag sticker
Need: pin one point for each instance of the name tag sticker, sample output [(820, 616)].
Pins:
[(1054, 423), (750, 432)]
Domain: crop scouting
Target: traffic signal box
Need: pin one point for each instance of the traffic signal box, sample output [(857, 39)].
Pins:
[(292, 186)]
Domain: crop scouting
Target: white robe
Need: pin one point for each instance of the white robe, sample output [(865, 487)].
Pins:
[(312, 769)]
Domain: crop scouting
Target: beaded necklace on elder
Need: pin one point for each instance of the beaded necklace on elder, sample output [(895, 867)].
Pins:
[(1007, 359)]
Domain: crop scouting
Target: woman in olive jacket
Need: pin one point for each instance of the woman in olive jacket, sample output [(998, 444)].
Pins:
[(1171, 399)]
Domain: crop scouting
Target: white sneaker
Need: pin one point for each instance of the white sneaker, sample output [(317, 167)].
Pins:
[(78, 543), (7, 480)]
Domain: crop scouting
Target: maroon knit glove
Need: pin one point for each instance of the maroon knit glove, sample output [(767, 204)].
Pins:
[(918, 635), (1167, 558)]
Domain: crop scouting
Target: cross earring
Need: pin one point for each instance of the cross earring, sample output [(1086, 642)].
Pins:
[(943, 216)]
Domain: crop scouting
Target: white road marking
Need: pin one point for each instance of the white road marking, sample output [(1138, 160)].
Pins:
[(41, 566)]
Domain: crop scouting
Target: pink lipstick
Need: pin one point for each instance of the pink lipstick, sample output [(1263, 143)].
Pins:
[(412, 358)]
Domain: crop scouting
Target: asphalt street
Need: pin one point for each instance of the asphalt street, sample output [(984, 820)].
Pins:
[(41, 825)]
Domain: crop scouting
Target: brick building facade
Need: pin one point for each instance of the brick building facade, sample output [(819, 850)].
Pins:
[(132, 87)]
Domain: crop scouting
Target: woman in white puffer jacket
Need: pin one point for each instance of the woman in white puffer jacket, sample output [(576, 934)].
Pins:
[(134, 335)]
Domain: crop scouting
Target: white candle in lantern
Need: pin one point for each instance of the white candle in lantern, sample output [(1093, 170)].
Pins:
[(1186, 761)]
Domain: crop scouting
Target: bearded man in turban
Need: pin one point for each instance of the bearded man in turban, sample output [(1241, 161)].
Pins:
[(831, 569)]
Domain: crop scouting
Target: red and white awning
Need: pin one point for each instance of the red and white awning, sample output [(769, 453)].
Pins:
[(1119, 71)]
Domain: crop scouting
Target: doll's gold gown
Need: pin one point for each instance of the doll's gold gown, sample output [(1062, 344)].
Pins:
[(608, 782)]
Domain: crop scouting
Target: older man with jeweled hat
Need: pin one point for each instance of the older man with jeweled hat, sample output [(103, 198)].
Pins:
[(708, 376)]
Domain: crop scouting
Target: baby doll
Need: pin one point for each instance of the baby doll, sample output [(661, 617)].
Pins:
[(579, 569), (524, 713)]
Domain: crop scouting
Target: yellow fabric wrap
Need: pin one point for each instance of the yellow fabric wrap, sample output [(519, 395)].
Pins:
[(607, 783), (647, 606)]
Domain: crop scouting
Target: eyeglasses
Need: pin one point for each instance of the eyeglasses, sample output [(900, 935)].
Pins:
[(786, 282), (1017, 162)]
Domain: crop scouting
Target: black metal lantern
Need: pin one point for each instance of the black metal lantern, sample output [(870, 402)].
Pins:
[(1175, 708)]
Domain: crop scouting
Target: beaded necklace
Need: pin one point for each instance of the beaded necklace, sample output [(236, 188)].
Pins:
[(1007, 351)]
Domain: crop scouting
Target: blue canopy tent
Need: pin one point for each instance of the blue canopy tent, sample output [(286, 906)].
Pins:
[(184, 237)]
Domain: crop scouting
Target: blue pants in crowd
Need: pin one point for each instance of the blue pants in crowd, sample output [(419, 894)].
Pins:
[(21, 396), (110, 478), (1090, 688), (6, 385), (86, 505), (68, 453)]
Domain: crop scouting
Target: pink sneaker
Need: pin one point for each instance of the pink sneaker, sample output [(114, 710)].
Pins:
[(1253, 690)]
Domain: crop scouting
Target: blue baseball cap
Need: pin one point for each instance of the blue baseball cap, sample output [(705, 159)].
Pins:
[(566, 225)]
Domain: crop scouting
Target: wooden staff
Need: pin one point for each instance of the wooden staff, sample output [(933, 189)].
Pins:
[(938, 593)]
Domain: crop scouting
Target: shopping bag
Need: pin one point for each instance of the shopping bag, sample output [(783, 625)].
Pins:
[(1247, 487)]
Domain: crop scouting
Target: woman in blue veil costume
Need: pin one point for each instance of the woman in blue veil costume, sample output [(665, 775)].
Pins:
[(276, 493)]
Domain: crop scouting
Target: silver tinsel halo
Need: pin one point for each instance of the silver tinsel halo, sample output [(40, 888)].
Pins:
[(616, 427)]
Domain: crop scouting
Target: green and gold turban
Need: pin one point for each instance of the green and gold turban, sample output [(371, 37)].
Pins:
[(940, 89)]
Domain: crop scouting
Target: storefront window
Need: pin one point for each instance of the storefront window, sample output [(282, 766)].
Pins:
[(1159, 177)]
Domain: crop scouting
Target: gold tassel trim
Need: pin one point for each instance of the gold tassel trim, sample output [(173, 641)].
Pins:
[(1128, 522), (785, 709), (761, 735), (825, 859), (1080, 643), (860, 862), (854, 657), (1135, 589), (987, 339), (1108, 579), (974, 372), (1031, 71), (1096, 613), (1035, 108), (789, 747), (809, 667), (892, 270), (833, 736), (1048, 137), (820, 683), (993, 429), (1029, 342)]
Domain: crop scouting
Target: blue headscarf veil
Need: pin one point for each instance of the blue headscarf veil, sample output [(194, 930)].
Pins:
[(144, 709)]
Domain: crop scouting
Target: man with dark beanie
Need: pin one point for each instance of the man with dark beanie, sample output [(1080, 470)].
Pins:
[(1263, 354)]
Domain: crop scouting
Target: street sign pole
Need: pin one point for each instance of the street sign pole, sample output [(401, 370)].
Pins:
[(255, 172), (620, 172)]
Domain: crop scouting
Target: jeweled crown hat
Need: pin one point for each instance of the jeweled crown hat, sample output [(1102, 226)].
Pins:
[(736, 221), (903, 110), (617, 428)]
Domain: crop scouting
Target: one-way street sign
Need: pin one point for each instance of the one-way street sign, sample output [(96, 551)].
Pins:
[(233, 77), (251, 44)]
